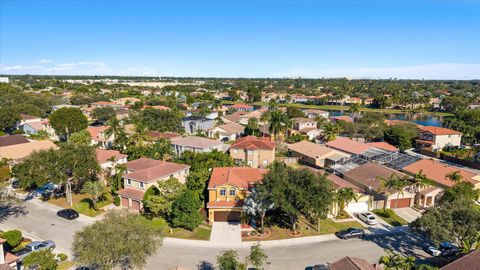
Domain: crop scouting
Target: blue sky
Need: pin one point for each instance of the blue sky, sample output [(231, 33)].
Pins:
[(358, 39)]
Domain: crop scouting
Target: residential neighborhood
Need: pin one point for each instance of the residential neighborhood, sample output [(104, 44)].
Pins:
[(239, 135)]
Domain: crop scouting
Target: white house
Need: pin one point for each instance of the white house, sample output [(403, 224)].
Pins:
[(436, 138)]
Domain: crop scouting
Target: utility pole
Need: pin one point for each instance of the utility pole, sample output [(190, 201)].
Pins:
[(69, 192)]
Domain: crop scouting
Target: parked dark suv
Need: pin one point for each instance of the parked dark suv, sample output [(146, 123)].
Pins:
[(350, 233)]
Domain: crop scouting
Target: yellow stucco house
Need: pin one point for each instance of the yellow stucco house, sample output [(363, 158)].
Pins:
[(227, 188)]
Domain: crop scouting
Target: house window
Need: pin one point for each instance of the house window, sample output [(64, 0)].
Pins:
[(265, 162), (141, 185), (250, 163), (222, 192), (235, 151), (250, 152), (129, 182), (232, 192)]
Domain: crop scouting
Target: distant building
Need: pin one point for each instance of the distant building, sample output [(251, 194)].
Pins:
[(192, 124), (4, 80), (253, 152), (195, 144), (242, 107)]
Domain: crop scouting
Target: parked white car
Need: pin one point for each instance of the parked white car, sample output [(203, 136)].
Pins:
[(368, 218), (433, 251)]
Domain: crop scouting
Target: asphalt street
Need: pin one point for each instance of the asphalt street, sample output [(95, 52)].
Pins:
[(39, 219)]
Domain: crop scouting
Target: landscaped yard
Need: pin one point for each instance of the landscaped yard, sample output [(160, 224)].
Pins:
[(65, 265), (200, 233), (392, 219), (82, 204), (327, 226)]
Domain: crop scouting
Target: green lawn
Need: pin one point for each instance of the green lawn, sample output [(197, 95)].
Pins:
[(344, 108), (66, 265), (393, 220), (200, 233), (82, 204), (327, 226)]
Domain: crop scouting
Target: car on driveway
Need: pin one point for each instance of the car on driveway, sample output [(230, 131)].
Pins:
[(368, 218), (68, 213), (448, 249), (350, 233), (433, 251), (45, 190), (34, 246)]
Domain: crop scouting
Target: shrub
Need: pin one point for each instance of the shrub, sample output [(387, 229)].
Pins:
[(389, 213), (13, 237), (116, 201), (62, 257)]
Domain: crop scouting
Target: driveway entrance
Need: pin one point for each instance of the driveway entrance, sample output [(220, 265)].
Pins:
[(408, 214), (226, 232)]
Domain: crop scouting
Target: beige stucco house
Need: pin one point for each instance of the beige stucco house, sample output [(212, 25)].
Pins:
[(253, 152)]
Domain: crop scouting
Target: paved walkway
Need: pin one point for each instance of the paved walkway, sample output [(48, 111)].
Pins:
[(408, 213), (226, 233)]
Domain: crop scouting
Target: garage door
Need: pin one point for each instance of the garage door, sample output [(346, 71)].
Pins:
[(357, 207), (402, 203), (125, 202), (227, 216), (136, 205)]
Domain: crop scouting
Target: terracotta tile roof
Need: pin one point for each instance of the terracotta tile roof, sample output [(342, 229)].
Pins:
[(95, 131), (232, 127), (344, 118), (133, 193), (104, 155), (2, 241), (236, 176), (436, 171), (310, 149), (158, 107), (234, 117), (241, 106), (349, 146), (351, 263), (339, 182), (161, 170), (141, 163), (251, 142), (300, 120), (20, 151), (314, 111), (12, 140), (196, 142), (384, 146), (369, 175), (224, 204), (10, 258), (103, 103), (28, 117), (439, 130), (471, 261), (155, 135)]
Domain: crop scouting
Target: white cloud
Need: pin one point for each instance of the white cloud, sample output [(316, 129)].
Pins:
[(19, 68), (430, 71)]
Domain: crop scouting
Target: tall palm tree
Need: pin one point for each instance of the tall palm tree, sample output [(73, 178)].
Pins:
[(140, 136), (394, 182), (330, 132), (421, 180), (343, 197), (354, 109), (279, 122), (114, 127), (455, 177), (396, 261)]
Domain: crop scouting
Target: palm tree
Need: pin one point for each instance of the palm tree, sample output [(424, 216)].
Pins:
[(421, 180), (279, 122), (140, 136), (344, 196), (396, 261), (354, 109), (330, 132), (455, 177), (394, 182)]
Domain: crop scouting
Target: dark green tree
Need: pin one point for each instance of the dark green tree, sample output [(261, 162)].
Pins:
[(66, 121), (185, 211), (103, 114), (40, 260)]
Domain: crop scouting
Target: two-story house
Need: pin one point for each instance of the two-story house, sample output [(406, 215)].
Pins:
[(313, 113), (253, 152), (226, 132), (227, 188), (241, 107), (145, 172), (108, 160), (436, 138), (192, 124), (99, 138), (306, 126)]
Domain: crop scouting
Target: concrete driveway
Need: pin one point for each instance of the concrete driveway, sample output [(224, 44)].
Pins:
[(408, 213), (226, 232)]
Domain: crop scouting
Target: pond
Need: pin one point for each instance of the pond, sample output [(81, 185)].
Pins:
[(417, 118)]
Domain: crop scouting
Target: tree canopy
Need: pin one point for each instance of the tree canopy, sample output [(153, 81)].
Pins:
[(66, 121)]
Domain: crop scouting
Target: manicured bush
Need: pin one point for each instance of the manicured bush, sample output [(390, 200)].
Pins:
[(13, 237), (116, 201), (389, 213), (62, 257)]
